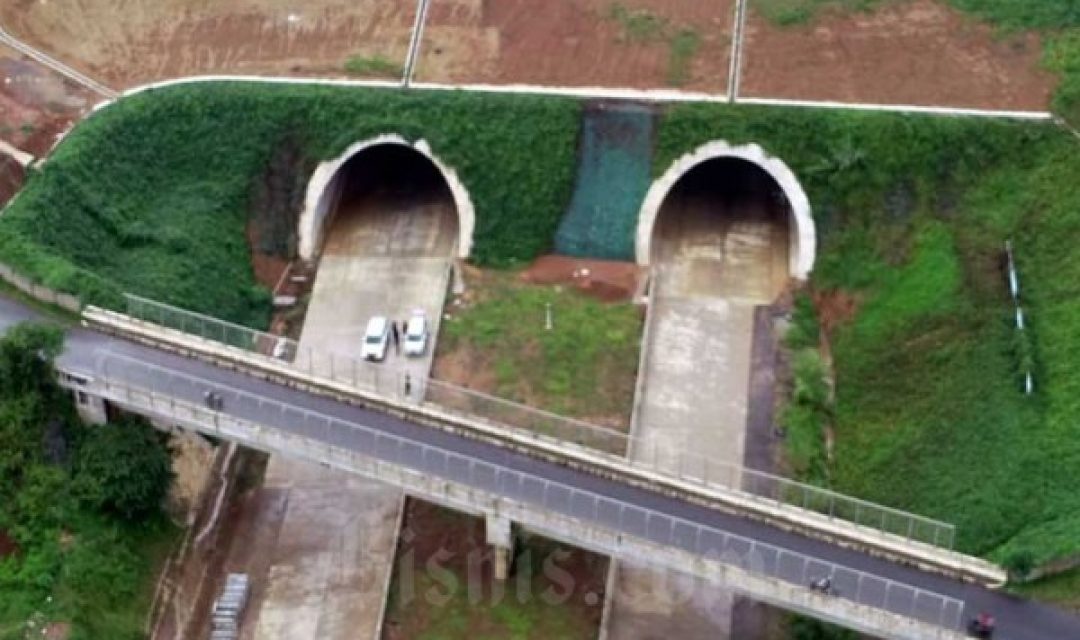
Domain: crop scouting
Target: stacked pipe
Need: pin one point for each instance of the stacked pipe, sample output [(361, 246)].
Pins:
[(229, 608), (1014, 291)]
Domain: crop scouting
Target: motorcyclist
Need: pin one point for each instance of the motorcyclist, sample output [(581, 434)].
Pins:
[(982, 625)]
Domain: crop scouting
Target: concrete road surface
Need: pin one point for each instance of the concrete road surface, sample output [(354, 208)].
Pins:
[(711, 268), (386, 254)]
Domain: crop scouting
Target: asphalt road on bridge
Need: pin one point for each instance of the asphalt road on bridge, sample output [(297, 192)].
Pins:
[(1019, 619)]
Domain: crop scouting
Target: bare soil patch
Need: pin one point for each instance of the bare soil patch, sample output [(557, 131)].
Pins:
[(8, 547), (919, 52), (127, 42), (443, 584), (607, 43), (36, 105), (11, 178), (835, 308), (605, 280)]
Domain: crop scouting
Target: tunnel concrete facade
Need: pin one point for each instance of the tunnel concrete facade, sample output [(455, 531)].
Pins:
[(803, 236), (327, 182)]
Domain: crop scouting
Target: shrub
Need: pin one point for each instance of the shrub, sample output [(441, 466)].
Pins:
[(804, 331), (124, 468), (1019, 565)]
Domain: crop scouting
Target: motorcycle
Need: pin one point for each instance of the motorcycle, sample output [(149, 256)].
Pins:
[(981, 626)]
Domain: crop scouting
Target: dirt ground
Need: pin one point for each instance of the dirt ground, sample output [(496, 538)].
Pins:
[(577, 42), (453, 543), (919, 52), (36, 106), (605, 280), (7, 545), (128, 42)]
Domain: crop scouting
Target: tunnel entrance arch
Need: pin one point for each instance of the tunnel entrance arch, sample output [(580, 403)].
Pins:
[(329, 182), (802, 234)]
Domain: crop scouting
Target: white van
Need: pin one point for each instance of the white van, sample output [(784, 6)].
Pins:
[(416, 334), (376, 339)]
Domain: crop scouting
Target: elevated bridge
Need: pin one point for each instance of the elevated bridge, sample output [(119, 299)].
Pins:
[(596, 508)]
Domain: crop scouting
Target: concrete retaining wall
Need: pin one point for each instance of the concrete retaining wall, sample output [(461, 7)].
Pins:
[(38, 292)]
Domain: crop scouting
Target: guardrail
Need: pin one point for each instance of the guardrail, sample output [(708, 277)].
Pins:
[(429, 470), (684, 466)]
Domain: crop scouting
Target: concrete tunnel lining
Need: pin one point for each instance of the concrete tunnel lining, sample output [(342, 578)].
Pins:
[(803, 242), (325, 188)]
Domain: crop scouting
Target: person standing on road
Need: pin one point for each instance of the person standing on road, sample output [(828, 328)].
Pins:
[(395, 337)]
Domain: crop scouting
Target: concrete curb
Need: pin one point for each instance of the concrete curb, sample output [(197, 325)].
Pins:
[(643, 95), (390, 573)]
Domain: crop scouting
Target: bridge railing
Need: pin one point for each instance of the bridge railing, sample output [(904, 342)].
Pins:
[(675, 462), (268, 423)]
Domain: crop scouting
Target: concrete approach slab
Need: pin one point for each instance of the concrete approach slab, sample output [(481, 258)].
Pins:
[(333, 558), (713, 267)]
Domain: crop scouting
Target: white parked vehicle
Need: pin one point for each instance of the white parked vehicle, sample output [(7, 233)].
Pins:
[(416, 334), (376, 339)]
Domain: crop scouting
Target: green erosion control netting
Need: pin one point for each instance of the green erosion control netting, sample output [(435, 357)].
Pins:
[(613, 174)]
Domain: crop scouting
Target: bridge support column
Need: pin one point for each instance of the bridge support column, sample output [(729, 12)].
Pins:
[(90, 407), (501, 539)]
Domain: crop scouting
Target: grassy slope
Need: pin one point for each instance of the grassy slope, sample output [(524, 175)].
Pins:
[(912, 213), (585, 367), (151, 194)]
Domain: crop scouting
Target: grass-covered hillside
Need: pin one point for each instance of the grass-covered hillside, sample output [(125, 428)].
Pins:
[(152, 194), (912, 214)]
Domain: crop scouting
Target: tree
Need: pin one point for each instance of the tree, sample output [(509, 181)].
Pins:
[(124, 468), (804, 628), (1019, 565), (26, 355)]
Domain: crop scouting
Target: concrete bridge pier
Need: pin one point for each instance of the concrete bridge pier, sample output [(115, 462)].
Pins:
[(500, 537)]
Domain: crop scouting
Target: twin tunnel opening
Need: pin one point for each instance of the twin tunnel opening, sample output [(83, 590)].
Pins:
[(736, 215)]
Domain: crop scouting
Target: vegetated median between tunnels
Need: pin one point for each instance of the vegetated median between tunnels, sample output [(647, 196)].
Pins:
[(152, 195)]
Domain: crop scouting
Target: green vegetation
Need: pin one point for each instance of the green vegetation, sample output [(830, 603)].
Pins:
[(638, 25), (1062, 589), (373, 66), (75, 548), (805, 330), (805, 417), (794, 12), (152, 194), (912, 215), (804, 628), (911, 211), (684, 46), (584, 367), (641, 26)]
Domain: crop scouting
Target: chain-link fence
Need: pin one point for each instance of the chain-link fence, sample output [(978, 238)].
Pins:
[(260, 420), (676, 462)]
